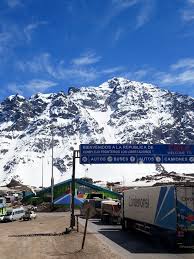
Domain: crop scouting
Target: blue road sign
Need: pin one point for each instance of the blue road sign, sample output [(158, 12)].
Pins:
[(140, 153)]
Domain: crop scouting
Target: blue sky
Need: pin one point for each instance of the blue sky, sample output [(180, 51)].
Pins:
[(48, 46)]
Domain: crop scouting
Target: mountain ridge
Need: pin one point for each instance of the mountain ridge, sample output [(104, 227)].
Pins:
[(117, 111)]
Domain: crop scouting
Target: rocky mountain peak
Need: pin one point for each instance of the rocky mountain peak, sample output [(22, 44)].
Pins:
[(118, 111)]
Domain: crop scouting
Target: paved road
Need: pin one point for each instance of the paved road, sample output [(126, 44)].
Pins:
[(134, 245)]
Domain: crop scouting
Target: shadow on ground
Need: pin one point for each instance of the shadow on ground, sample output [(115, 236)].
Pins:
[(136, 242)]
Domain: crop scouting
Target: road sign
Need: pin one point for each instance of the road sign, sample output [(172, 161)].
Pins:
[(140, 153)]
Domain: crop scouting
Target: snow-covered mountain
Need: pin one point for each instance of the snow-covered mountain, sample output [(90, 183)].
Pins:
[(118, 111)]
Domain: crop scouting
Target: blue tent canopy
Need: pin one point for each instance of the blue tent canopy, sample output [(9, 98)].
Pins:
[(66, 200)]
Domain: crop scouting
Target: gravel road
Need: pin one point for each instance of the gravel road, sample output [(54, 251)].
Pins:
[(23, 246)]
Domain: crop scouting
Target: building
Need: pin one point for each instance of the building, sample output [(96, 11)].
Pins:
[(82, 188)]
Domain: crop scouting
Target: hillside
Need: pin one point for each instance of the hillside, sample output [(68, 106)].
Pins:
[(118, 111)]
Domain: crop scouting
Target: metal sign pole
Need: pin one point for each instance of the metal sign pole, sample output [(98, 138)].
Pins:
[(42, 172), (52, 177), (76, 154), (73, 193)]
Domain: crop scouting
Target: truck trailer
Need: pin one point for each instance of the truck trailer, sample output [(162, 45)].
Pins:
[(166, 211)]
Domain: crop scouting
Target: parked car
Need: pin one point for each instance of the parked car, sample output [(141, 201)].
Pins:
[(29, 215), (32, 208), (14, 214), (2, 218)]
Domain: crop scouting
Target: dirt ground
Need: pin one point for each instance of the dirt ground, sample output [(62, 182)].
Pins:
[(47, 247)]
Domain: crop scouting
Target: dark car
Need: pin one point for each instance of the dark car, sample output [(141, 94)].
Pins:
[(29, 215)]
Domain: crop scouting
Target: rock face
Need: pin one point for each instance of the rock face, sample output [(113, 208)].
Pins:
[(118, 111)]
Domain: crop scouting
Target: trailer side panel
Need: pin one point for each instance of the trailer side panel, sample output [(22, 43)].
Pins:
[(154, 206), (185, 208)]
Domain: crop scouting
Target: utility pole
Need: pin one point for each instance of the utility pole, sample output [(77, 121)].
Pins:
[(52, 177), (42, 166), (42, 173)]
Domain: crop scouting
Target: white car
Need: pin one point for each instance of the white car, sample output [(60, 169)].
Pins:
[(14, 214), (33, 215), (2, 218)]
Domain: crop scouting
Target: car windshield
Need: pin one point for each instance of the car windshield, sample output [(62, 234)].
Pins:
[(8, 213)]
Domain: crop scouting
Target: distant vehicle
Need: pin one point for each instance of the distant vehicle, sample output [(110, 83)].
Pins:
[(2, 207), (2, 218), (33, 208), (94, 201), (91, 196), (110, 211), (14, 214), (2, 202), (29, 215), (165, 211)]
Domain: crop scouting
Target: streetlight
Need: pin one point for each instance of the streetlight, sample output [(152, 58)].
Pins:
[(52, 177), (42, 165)]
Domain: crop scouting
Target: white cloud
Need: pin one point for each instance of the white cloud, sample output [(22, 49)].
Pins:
[(14, 88), (33, 86), (183, 63), (5, 37), (112, 70), (188, 15), (39, 85), (188, 12), (116, 8), (31, 27), (38, 64), (180, 73), (58, 69), (10, 37), (122, 4), (138, 74), (118, 34), (76, 72), (185, 77), (145, 13), (87, 58), (14, 3)]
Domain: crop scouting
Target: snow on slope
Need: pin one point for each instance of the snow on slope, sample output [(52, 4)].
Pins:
[(102, 118), (118, 111)]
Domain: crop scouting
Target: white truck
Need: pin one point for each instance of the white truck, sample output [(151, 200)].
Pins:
[(167, 211)]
